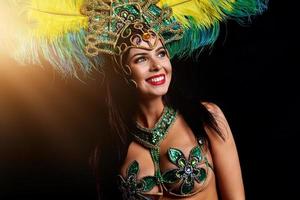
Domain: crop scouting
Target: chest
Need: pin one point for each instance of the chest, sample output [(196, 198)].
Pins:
[(180, 166)]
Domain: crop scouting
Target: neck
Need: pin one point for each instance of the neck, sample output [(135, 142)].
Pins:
[(149, 112)]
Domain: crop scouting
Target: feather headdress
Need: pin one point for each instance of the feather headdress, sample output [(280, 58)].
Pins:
[(56, 30)]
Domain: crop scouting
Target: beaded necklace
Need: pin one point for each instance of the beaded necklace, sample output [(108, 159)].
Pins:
[(152, 137)]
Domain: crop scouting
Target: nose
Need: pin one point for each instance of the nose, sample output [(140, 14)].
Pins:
[(155, 62), (155, 67)]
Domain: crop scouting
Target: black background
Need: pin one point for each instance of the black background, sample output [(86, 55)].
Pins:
[(47, 123)]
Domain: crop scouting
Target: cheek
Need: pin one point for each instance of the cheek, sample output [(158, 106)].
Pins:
[(138, 74), (168, 66)]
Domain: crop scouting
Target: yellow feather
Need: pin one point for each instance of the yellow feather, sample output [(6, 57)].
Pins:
[(49, 19), (202, 11)]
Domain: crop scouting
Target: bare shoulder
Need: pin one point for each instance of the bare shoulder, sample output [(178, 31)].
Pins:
[(213, 108), (225, 156), (220, 119)]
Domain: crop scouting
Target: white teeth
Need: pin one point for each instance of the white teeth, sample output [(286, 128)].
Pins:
[(157, 79)]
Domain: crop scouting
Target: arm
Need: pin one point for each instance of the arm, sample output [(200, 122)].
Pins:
[(225, 157)]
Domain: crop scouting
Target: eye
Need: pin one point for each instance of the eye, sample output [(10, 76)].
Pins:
[(140, 59), (162, 53)]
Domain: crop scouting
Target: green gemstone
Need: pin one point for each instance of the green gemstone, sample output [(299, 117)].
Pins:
[(202, 176), (194, 162), (196, 152), (149, 183), (133, 168), (174, 155), (181, 162), (131, 17), (97, 18), (158, 133), (154, 9), (155, 155), (171, 176), (187, 187), (196, 171), (189, 179)]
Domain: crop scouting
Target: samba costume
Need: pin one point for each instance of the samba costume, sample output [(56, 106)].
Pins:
[(187, 171), (77, 33)]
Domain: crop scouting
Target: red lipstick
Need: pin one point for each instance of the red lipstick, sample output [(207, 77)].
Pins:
[(157, 79)]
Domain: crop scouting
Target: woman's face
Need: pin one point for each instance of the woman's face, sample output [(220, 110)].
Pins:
[(151, 70)]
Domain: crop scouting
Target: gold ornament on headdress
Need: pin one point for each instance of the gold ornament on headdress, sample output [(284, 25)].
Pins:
[(110, 23)]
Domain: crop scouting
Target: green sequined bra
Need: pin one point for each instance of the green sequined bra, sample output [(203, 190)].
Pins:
[(185, 174)]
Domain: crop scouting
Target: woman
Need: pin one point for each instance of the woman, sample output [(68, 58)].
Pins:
[(159, 144), (138, 108)]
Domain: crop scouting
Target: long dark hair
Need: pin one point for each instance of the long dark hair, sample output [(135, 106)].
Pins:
[(121, 100)]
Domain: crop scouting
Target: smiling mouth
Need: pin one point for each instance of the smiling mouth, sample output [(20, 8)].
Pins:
[(157, 80)]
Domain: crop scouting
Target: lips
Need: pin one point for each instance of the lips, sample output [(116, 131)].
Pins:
[(157, 79)]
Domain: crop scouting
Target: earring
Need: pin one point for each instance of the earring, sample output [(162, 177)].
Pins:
[(132, 83)]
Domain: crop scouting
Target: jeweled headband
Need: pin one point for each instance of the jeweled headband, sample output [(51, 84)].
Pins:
[(116, 26), (74, 34)]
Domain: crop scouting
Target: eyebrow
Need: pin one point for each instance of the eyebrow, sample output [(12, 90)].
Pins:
[(143, 54)]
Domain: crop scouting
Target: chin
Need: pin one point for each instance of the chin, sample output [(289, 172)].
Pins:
[(154, 92), (158, 91), (160, 94)]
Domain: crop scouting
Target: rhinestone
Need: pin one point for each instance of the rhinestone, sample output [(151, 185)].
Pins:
[(146, 36), (200, 141), (188, 169), (124, 14), (194, 162), (181, 163), (131, 17), (97, 18)]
